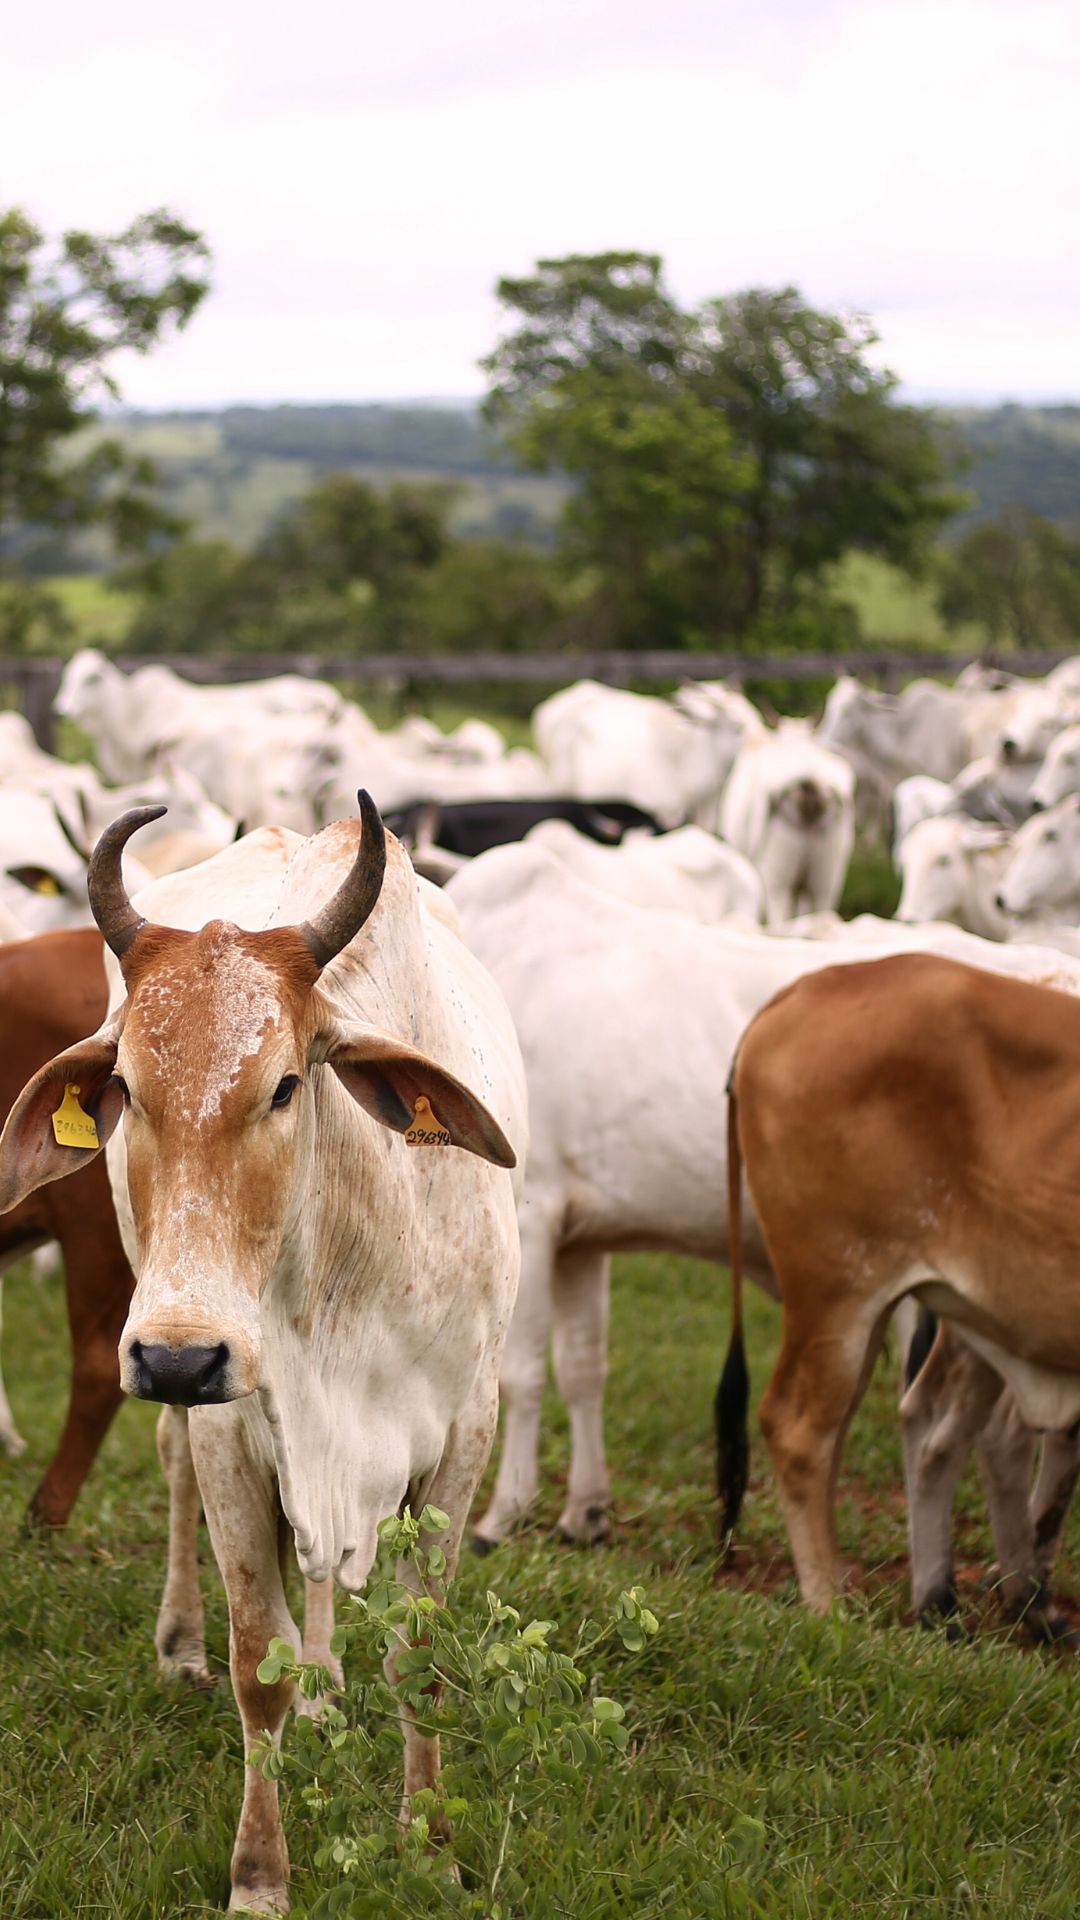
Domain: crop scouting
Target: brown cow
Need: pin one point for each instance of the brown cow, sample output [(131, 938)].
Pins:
[(909, 1126), (52, 991)]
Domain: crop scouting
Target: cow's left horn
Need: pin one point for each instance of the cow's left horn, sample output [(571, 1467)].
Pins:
[(109, 903), (343, 916)]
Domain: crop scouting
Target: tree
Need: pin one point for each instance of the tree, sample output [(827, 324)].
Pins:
[(65, 311), (723, 457), (1019, 577)]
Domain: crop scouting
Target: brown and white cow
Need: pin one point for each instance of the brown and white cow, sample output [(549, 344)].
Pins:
[(908, 1126), (329, 1300)]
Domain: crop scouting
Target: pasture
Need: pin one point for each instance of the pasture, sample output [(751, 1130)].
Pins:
[(780, 1766)]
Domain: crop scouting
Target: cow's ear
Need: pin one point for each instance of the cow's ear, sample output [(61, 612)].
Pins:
[(408, 1092), (51, 1130)]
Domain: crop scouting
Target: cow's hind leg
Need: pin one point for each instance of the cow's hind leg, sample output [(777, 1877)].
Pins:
[(820, 1378), (942, 1414), (180, 1635), (1027, 1522), (245, 1522), (98, 1283), (524, 1372), (582, 1288), (11, 1440)]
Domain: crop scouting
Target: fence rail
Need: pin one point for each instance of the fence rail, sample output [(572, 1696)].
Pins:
[(38, 680)]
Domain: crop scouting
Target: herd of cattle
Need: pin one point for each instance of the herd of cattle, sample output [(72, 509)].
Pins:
[(281, 1029)]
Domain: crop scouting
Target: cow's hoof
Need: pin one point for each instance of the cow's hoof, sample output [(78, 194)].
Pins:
[(191, 1668), (589, 1527), (249, 1900), (1052, 1630), (938, 1614), (482, 1546), (12, 1443)]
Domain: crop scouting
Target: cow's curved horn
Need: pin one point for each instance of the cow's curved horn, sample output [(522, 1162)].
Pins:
[(344, 915), (109, 903)]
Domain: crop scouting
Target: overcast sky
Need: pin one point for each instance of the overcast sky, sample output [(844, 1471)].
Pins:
[(365, 172)]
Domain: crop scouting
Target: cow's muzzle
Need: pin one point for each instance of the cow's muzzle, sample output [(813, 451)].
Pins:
[(186, 1376)]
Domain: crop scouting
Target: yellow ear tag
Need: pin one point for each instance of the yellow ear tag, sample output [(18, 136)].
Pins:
[(48, 883), (73, 1127), (426, 1131)]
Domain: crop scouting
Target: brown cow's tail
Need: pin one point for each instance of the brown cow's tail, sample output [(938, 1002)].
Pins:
[(733, 1393)]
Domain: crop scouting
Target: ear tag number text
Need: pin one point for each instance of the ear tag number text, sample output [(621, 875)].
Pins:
[(426, 1131), (71, 1126)]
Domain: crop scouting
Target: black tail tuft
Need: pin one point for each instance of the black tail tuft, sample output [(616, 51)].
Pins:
[(922, 1341), (732, 1445)]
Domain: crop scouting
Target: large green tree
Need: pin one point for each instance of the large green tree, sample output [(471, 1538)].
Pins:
[(67, 308), (723, 456)]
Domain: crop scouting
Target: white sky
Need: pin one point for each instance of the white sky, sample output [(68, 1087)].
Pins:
[(364, 172)]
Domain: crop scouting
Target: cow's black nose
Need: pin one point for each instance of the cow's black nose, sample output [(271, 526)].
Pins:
[(999, 901), (190, 1377), (1036, 806)]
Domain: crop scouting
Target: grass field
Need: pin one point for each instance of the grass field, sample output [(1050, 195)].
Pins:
[(780, 1766)]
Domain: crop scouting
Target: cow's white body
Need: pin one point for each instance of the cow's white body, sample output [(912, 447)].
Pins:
[(132, 718), (685, 871), (789, 807), (1059, 774), (671, 758)]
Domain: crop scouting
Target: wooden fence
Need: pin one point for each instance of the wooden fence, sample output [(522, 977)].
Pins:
[(36, 681)]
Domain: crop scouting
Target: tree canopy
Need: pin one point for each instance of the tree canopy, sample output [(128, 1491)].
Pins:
[(66, 309), (723, 456), (1019, 575)]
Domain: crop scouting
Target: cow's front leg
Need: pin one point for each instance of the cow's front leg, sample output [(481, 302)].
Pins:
[(180, 1636), (452, 1487), (581, 1295), (246, 1527)]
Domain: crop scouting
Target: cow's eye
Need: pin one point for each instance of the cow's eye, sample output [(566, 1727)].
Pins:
[(1052, 835), (119, 1081), (285, 1090)]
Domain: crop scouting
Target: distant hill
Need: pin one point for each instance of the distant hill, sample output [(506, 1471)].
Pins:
[(1023, 457), (230, 472)]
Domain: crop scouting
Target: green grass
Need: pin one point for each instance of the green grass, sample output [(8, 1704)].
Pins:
[(895, 610), (783, 1766), (99, 613)]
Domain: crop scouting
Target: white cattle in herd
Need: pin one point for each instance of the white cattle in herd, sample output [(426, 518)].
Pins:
[(789, 807), (1059, 774), (952, 869), (1042, 880), (42, 870), (670, 757), (133, 718), (329, 1298), (619, 1158), (686, 871), (888, 736)]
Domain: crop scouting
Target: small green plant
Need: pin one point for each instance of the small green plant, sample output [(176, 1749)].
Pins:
[(520, 1722)]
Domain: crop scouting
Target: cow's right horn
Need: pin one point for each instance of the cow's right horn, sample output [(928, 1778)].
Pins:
[(343, 916), (109, 903)]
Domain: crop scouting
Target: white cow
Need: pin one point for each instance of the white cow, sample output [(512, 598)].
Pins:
[(628, 1022), (328, 1298), (888, 736), (686, 871), (1042, 880), (670, 757), (1059, 774), (789, 806), (131, 718), (952, 870), (42, 871)]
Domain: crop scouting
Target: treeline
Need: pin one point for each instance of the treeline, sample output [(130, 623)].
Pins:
[(707, 470)]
